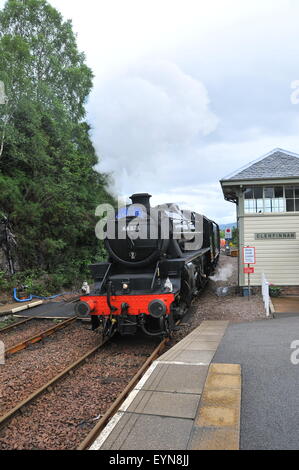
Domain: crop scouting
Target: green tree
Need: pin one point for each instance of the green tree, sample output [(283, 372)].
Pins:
[(48, 185), (235, 236)]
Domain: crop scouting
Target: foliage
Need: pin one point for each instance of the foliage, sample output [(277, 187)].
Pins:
[(49, 188), (3, 281), (274, 291), (41, 283), (235, 236), (4, 322)]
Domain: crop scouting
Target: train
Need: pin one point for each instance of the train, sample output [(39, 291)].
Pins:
[(159, 259)]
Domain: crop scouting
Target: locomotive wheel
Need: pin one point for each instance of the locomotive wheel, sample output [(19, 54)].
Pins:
[(186, 294), (179, 309)]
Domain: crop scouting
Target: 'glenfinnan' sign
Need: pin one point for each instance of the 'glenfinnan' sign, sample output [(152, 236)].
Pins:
[(275, 236)]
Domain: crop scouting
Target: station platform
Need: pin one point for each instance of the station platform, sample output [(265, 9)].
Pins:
[(183, 402)]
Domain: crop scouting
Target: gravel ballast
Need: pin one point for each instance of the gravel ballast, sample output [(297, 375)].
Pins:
[(232, 307), (61, 418), (26, 371), (20, 333)]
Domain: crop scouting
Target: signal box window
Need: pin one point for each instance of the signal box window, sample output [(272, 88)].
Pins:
[(265, 200)]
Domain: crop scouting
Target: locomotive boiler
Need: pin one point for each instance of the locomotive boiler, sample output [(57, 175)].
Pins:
[(159, 259)]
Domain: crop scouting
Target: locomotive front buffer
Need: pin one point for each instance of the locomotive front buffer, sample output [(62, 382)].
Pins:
[(117, 304)]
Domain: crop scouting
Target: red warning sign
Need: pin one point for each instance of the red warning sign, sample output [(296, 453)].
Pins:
[(248, 270)]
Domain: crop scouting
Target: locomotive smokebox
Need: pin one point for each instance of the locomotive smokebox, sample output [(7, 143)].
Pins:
[(142, 198)]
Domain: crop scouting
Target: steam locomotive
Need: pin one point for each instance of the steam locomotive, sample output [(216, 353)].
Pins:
[(159, 259)]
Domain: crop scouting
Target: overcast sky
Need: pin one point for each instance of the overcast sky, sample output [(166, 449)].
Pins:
[(186, 92)]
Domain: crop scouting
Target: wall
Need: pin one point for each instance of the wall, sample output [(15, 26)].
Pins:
[(278, 259)]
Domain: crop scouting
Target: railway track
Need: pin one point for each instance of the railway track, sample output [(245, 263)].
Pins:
[(93, 434), (37, 337), (32, 402), (14, 325), (7, 417)]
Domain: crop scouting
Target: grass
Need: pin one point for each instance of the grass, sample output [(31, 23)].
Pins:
[(7, 321)]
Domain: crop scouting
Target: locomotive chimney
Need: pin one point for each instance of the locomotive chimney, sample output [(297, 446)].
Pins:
[(142, 198)]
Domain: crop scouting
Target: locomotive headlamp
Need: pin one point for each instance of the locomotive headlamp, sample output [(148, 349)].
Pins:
[(157, 308), (125, 286)]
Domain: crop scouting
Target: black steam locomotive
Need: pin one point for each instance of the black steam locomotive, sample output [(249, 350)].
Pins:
[(159, 259)]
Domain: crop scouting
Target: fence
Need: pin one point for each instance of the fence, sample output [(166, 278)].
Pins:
[(266, 295)]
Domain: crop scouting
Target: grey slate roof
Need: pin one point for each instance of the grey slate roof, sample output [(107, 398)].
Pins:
[(277, 164)]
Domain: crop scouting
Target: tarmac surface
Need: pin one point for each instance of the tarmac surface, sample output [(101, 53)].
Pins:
[(270, 382), (10, 308), (50, 310)]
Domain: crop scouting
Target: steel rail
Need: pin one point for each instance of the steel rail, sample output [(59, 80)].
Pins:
[(5, 418), (38, 337), (94, 433), (13, 325)]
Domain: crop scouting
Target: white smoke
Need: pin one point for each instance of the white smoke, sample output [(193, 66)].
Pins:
[(150, 118), (223, 273)]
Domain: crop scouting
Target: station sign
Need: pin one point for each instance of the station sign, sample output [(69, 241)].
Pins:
[(228, 234), (249, 255), (248, 270), (275, 236)]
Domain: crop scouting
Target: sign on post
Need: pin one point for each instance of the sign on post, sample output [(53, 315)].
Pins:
[(248, 270), (249, 258), (249, 255), (228, 234)]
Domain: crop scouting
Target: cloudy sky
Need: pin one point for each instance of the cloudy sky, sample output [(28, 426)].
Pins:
[(186, 92)]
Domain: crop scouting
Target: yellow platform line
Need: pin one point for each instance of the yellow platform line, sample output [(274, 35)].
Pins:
[(217, 424)]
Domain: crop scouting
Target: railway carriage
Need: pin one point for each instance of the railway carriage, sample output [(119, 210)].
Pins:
[(159, 259)]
